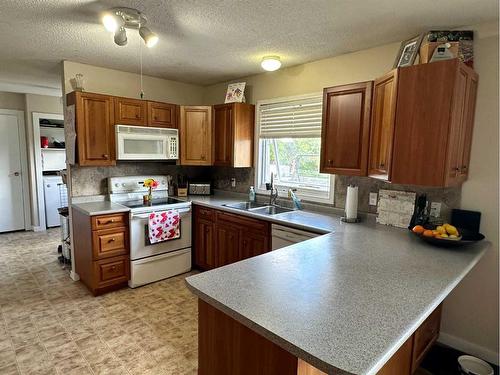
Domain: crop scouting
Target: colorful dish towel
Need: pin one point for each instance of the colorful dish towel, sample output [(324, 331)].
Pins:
[(164, 226)]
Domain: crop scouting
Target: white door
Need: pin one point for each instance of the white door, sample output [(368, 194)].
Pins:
[(11, 182)]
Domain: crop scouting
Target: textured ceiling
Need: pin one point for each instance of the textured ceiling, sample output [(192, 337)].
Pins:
[(207, 41)]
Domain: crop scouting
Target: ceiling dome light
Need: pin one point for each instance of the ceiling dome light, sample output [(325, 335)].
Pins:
[(270, 63), (121, 36), (150, 38), (112, 22)]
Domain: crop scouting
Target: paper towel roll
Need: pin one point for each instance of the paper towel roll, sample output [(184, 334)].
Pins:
[(351, 202)]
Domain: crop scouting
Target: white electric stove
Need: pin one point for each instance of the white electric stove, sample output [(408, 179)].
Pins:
[(152, 262)]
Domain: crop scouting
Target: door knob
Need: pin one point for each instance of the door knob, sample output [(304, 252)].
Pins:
[(14, 174)]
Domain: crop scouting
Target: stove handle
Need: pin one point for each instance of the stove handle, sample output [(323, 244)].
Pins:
[(146, 216)]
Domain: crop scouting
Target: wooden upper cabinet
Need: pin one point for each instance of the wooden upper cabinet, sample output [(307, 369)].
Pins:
[(94, 119), (131, 112), (196, 135), (433, 125), (162, 115), (233, 134), (382, 125), (346, 129)]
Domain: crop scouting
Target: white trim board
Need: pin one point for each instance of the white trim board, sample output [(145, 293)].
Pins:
[(37, 189), (23, 88), (469, 347), (24, 163)]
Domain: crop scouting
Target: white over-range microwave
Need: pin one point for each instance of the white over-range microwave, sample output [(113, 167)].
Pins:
[(146, 143)]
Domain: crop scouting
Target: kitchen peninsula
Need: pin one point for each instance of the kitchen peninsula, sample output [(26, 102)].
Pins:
[(349, 302)]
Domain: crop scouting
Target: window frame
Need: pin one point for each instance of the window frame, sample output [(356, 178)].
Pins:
[(304, 194)]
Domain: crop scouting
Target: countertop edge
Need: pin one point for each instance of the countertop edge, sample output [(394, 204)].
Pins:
[(319, 363), (282, 343), (270, 218), (439, 299), (76, 206)]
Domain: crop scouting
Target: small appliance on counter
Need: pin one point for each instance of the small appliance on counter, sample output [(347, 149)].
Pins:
[(199, 188)]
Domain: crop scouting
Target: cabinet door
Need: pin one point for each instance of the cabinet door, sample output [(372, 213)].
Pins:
[(196, 135), (227, 240), (466, 141), (382, 125), (162, 115), (131, 112), (252, 244), (456, 128), (346, 129), (94, 126), (204, 244), (223, 134), (421, 130)]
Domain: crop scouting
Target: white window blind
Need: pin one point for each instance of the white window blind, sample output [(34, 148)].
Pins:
[(296, 118)]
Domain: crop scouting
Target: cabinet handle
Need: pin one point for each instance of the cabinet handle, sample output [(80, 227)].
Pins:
[(137, 116), (105, 156), (156, 118), (202, 157), (330, 161), (113, 268), (464, 167), (457, 169), (382, 165), (111, 240), (110, 221)]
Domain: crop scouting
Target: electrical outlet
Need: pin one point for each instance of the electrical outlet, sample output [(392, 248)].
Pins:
[(233, 182), (435, 209), (373, 199)]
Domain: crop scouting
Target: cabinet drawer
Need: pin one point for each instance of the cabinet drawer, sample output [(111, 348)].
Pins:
[(425, 336), (204, 213), (109, 221), (111, 271), (250, 224), (109, 242)]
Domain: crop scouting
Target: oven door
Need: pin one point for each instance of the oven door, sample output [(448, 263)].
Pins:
[(139, 243)]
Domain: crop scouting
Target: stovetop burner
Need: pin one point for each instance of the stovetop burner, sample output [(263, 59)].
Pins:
[(154, 202)]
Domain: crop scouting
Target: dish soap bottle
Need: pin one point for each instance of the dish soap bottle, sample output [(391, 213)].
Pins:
[(251, 194)]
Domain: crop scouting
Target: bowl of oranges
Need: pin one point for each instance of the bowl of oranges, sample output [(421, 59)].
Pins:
[(446, 235)]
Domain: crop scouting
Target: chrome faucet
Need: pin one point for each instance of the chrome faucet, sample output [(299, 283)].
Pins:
[(274, 191), (295, 199)]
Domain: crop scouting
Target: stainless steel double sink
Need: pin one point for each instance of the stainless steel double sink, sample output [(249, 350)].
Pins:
[(257, 208)]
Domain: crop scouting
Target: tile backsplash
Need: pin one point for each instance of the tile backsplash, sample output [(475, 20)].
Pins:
[(87, 181)]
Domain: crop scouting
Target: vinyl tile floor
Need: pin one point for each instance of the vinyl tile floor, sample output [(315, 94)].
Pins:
[(52, 325)]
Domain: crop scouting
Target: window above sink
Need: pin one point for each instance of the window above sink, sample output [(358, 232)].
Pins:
[(289, 144)]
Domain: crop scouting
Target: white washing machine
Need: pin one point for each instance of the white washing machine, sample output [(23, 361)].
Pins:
[(55, 194)]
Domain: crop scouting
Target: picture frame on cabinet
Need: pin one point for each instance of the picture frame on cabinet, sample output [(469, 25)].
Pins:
[(408, 51)]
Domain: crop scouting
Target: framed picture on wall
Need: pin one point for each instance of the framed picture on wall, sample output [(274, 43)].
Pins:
[(408, 51)]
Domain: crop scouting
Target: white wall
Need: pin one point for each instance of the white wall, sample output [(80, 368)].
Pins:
[(470, 318), (118, 83)]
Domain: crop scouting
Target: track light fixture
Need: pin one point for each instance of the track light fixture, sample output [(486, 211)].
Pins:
[(116, 20)]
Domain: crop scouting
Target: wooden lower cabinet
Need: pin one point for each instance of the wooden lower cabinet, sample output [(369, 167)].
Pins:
[(226, 346), (101, 248), (222, 238)]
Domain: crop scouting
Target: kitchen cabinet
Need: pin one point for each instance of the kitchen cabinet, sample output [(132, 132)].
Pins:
[(131, 112), (195, 134), (222, 339), (94, 124), (382, 125), (204, 238), (102, 251), (346, 129), (433, 124), (222, 238), (233, 134), (162, 115)]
